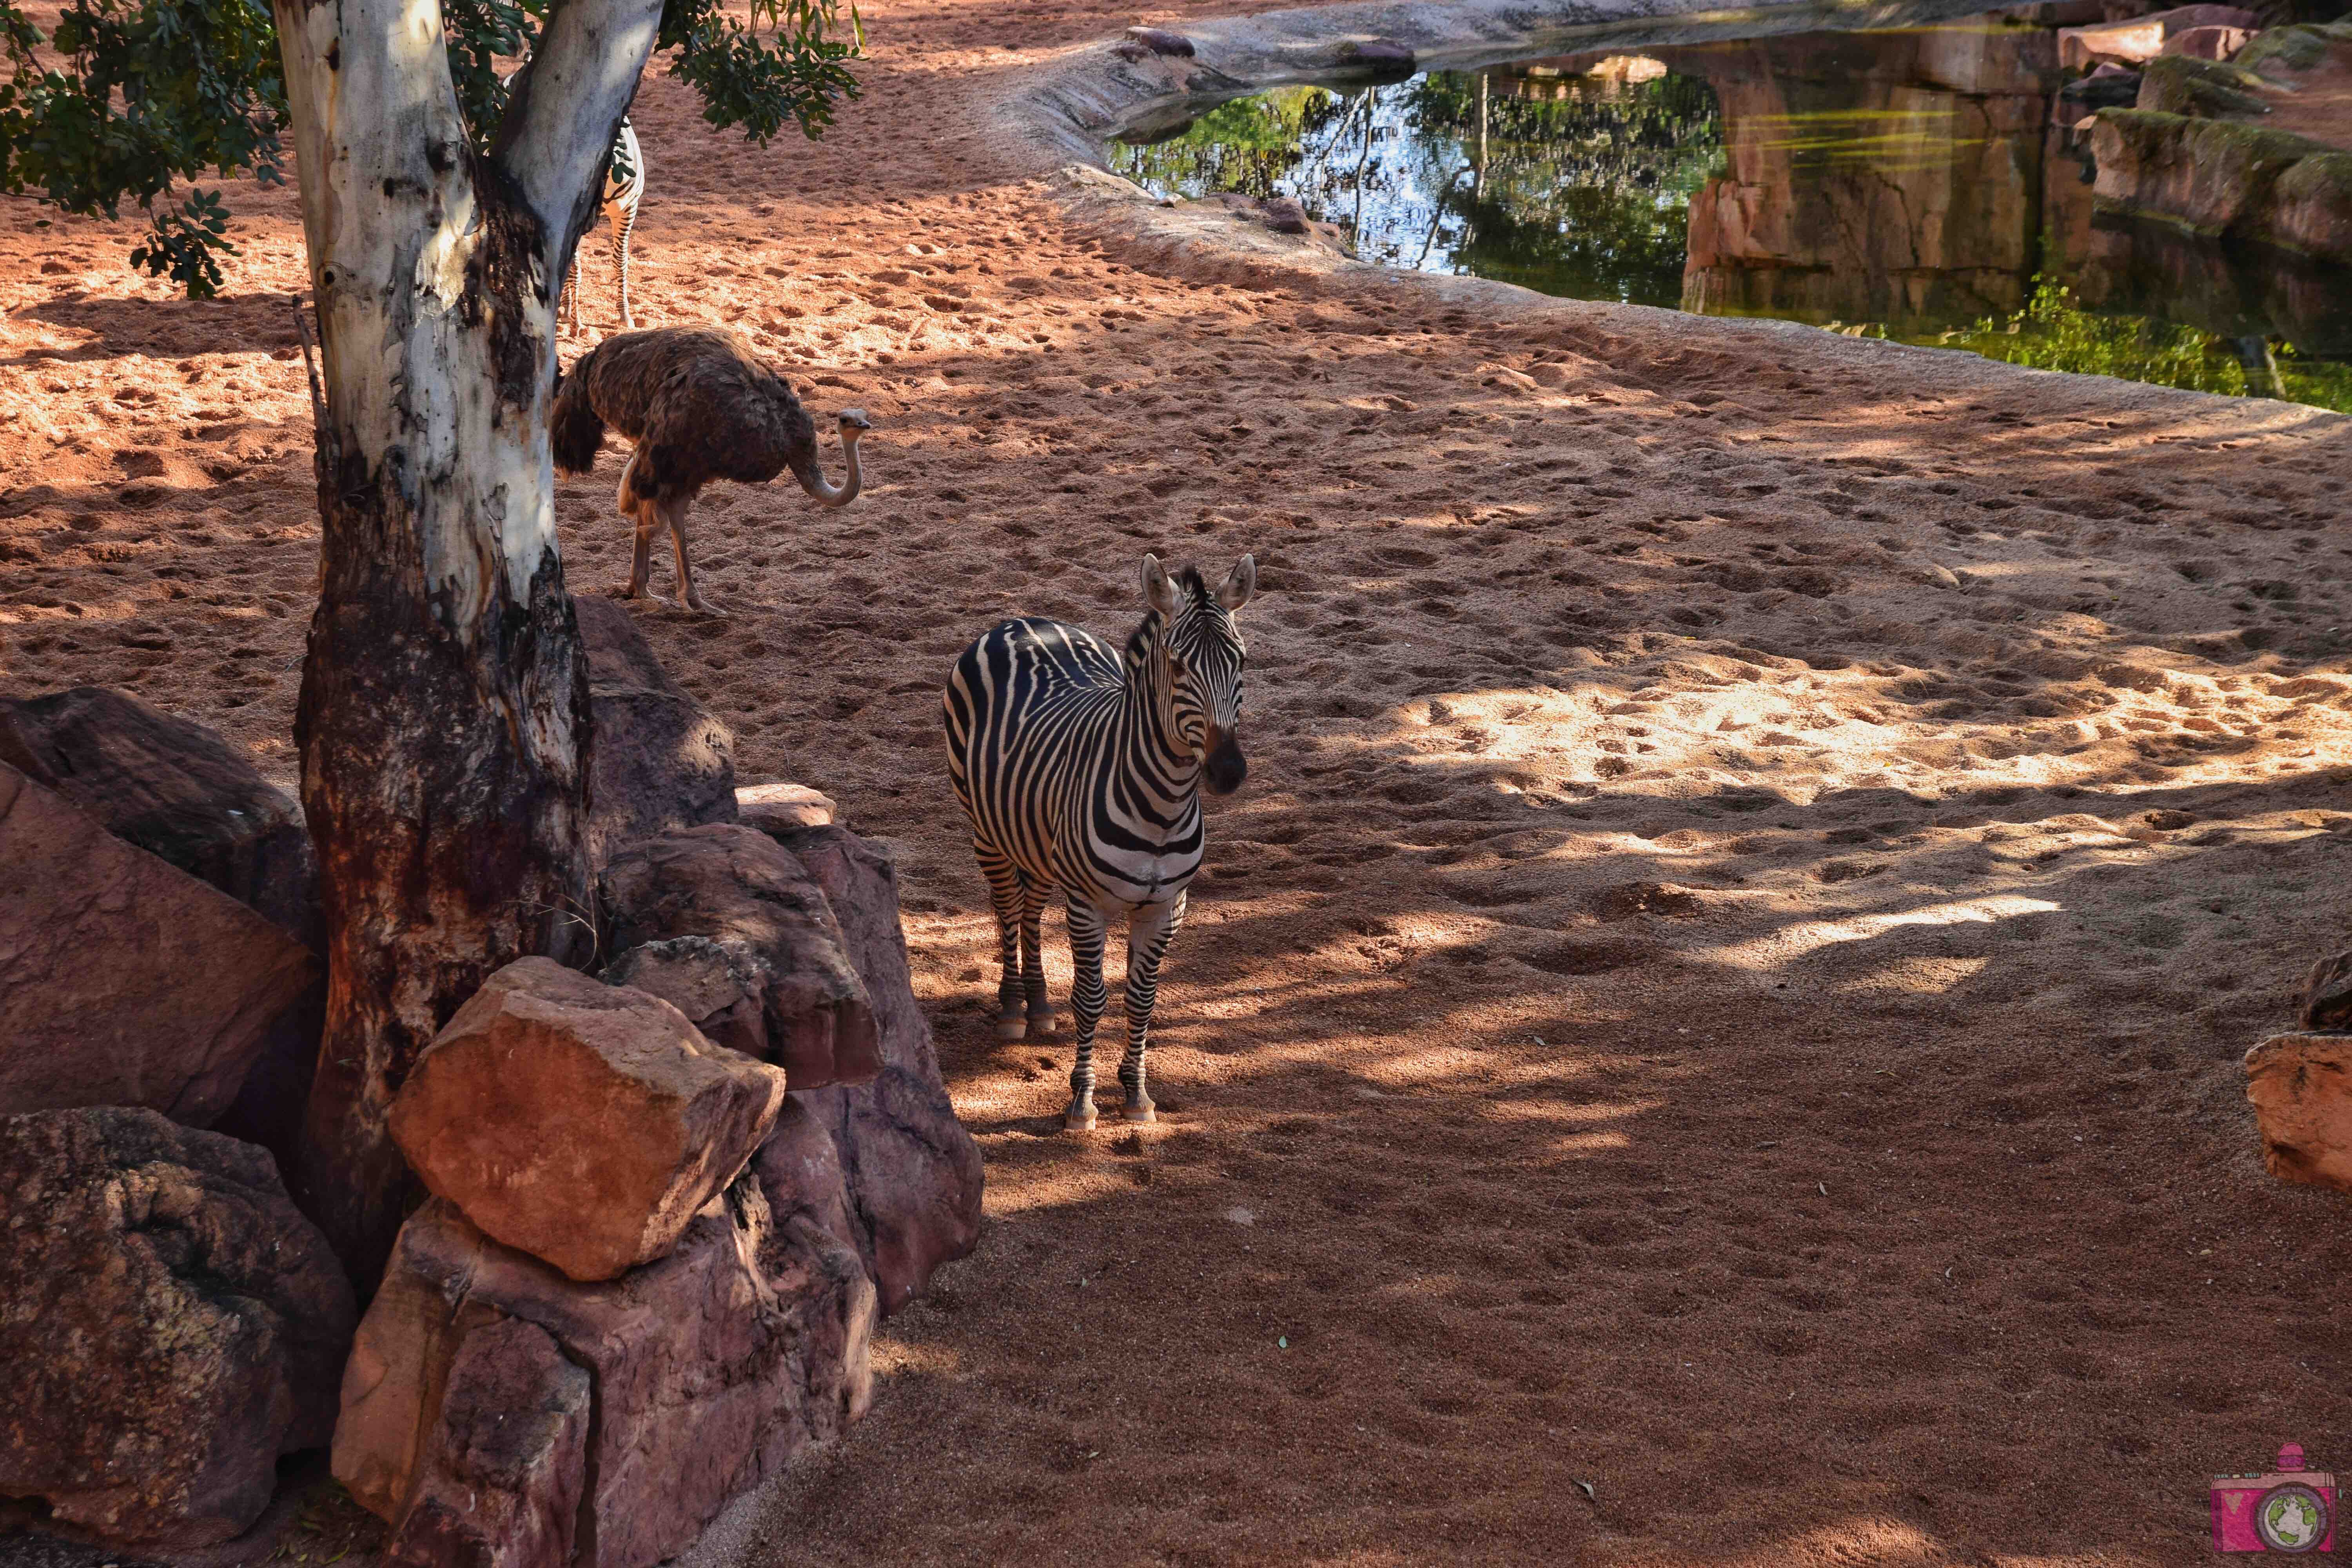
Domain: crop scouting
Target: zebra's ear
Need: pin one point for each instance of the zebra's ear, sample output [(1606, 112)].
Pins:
[(1159, 589), (1239, 585)]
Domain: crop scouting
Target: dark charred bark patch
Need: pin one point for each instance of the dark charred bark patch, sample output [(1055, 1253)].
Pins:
[(449, 844), (509, 266)]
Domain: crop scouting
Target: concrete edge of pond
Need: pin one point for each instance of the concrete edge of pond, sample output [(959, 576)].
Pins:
[(1064, 112)]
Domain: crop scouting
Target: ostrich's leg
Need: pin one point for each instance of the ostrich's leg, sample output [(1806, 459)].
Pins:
[(640, 510), (674, 512), (1087, 1001), (1033, 960), (1149, 930), (623, 220), (1008, 897)]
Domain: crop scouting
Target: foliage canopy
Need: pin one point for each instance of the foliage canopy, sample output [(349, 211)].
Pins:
[(127, 99)]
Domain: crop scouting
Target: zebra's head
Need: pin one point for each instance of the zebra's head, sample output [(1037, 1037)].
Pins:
[(1193, 624)]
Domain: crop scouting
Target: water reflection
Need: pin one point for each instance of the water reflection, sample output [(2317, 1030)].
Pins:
[(1913, 184)]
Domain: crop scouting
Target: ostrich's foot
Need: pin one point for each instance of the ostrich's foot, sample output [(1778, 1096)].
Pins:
[(702, 607), (1079, 1117), (1011, 1026), (644, 596)]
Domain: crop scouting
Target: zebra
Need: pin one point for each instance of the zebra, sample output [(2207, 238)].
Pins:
[(1081, 768), (625, 187)]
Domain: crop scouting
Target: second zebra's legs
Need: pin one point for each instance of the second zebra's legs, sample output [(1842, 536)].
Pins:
[(1087, 1000), (1033, 960), (572, 294), (1008, 897), (623, 220), (1149, 930)]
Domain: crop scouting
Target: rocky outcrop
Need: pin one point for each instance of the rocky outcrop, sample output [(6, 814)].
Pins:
[(913, 1173), (175, 789), (709, 1369), (2144, 39), (2327, 993), (1939, 219), (124, 981), (507, 1456), (785, 807), (2221, 178), (726, 925), (660, 761), (2301, 1087), (584, 1124), (169, 1326)]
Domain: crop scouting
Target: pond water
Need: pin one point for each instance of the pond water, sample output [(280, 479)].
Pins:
[(1918, 184)]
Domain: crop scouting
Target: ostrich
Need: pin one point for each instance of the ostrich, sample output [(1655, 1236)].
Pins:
[(699, 408)]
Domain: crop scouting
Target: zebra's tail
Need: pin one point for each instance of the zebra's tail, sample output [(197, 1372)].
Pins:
[(575, 428)]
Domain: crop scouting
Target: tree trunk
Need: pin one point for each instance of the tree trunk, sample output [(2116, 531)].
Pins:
[(444, 715)]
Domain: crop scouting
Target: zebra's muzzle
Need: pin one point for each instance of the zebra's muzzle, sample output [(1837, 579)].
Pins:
[(1226, 767)]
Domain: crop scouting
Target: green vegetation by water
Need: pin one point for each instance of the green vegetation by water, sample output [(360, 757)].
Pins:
[(1583, 186), (2053, 332)]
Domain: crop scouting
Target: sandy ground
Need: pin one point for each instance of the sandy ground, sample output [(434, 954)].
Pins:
[(1711, 1035)]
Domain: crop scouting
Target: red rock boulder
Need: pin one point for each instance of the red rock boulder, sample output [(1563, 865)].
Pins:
[(169, 1326), (176, 789), (584, 1124), (726, 925), (913, 1173), (710, 1368), (123, 980), (659, 761), (2301, 1087)]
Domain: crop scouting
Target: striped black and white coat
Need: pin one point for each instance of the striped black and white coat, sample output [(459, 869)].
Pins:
[(624, 188), (1081, 767)]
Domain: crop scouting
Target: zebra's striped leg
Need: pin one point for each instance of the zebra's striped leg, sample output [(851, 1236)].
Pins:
[(1033, 961), (572, 292), (1009, 899), (623, 220), (1087, 1000), (1149, 932)]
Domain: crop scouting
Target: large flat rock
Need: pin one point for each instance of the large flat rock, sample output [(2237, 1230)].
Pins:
[(124, 981), (2301, 1087)]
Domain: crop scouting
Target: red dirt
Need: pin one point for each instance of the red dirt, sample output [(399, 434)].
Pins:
[(1726, 983)]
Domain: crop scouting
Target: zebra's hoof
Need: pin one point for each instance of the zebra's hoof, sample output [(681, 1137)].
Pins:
[(1010, 1026), (1078, 1117), (1140, 1111), (1041, 1024)]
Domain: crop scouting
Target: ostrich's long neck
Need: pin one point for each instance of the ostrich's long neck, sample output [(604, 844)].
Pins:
[(827, 494)]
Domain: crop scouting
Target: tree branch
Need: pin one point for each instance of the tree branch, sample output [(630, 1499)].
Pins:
[(567, 108)]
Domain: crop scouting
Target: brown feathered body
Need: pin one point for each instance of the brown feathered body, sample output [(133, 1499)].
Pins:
[(695, 403)]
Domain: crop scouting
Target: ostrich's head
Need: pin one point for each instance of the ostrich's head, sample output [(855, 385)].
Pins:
[(852, 425), (1194, 623)]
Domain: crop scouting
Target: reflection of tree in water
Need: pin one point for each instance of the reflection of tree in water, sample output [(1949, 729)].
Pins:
[(1585, 194), (1582, 187)]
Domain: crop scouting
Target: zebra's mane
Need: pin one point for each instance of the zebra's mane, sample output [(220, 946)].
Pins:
[(1189, 581)]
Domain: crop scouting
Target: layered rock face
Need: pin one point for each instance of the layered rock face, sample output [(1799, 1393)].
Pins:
[(169, 1326), (2301, 1084), (1937, 217), (725, 924), (583, 1123), (123, 980), (914, 1177), (704, 1373), (650, 1275), (660, 761)]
